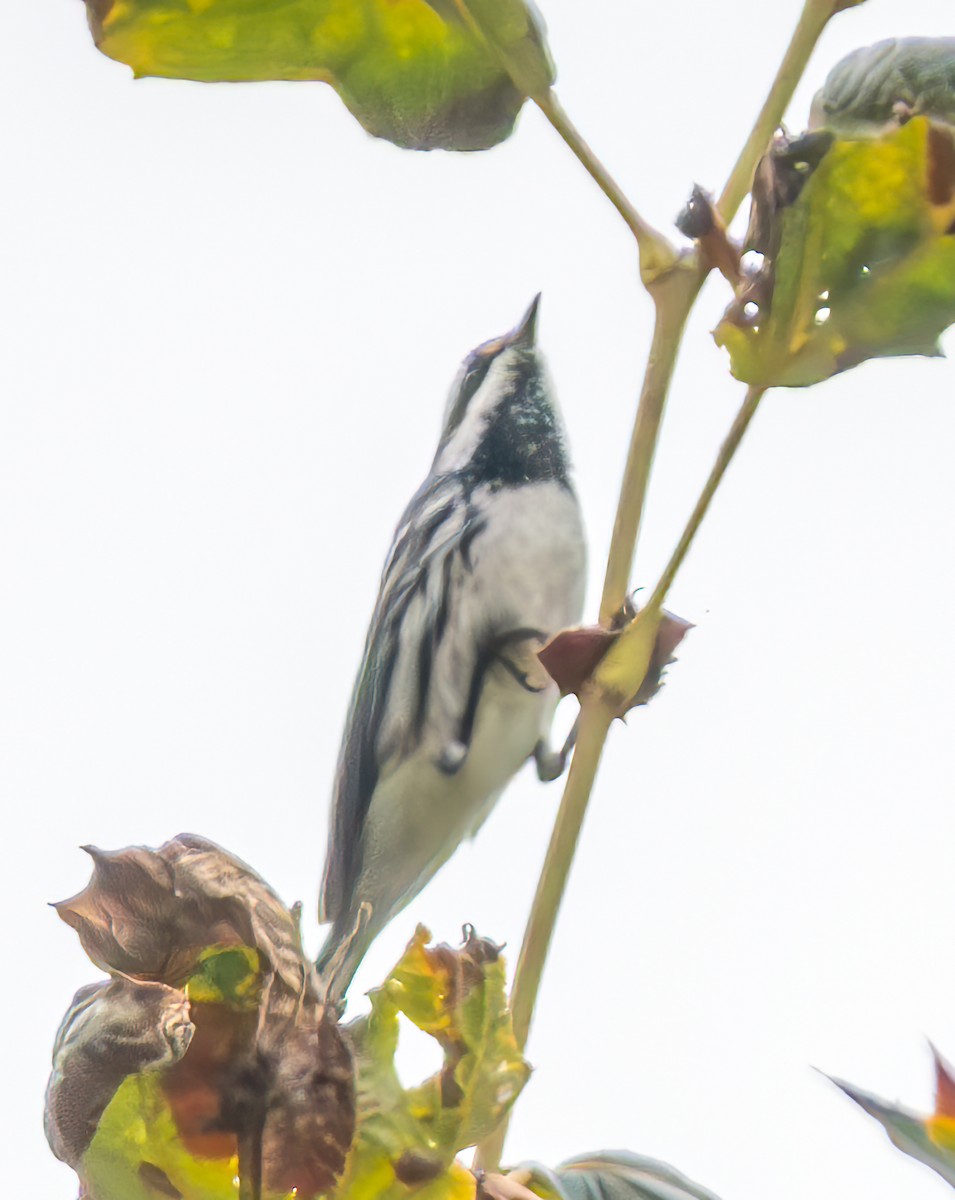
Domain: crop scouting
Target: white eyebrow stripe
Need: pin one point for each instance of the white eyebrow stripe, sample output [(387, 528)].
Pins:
[(466, 438)]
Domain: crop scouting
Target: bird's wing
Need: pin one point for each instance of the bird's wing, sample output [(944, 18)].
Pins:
[(431, 547)]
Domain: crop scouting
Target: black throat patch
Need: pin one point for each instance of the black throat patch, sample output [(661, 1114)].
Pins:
[(523, 442)]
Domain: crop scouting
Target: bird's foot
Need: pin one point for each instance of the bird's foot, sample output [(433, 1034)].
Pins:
[(551, 763), (452, 758)]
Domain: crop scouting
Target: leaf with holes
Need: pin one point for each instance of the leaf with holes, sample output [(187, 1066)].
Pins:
[(422, 74), (858, 239)]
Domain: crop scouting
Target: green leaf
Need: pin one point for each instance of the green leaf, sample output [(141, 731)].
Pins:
[(608, 1175), (423, 75), (620, 1175), (859, 255), (138, 1147), (408, 1138), (885, 84), (930, 1141)]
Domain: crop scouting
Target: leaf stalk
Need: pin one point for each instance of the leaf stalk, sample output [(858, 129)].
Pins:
[(725, 456), (658, 255)]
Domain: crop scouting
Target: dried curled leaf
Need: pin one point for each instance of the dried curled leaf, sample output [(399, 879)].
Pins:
[(150, 913), (212, 1054), (877, 87), (574, 658), (112, 1030), (423, 75), (930, 1140), (858, 245), (197, 942)]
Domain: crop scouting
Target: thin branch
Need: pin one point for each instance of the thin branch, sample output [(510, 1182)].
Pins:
[(657, 253), (813, 19), (595, 719), (673, 301), (250, 1164), (723, 459)]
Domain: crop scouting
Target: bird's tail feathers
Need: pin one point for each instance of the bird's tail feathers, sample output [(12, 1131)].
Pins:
[(342, 952)]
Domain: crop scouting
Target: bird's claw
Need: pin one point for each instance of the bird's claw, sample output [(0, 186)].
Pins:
[(452, 758), (551, 763)]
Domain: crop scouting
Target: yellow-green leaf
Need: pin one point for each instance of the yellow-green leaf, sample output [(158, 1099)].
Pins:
[(423, 75), (861, 264), (137, 1146), (407, 1139)]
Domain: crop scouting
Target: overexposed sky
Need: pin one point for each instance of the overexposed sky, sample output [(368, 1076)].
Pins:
[(229, 322)]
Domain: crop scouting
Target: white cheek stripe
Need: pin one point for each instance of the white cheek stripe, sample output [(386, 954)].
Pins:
[(467, 437)]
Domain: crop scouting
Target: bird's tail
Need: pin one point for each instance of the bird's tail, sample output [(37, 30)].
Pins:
[(342, 952)]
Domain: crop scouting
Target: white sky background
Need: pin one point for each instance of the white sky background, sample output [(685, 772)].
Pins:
[(229, 321)]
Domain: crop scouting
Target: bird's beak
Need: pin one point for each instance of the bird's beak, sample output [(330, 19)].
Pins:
[(526, 332)]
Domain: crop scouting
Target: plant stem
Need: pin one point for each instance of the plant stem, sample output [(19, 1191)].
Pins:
[(675, 292), (656, 252), (723, 459), (250, 1164), (813, 19), (595, 719), (673, 300)]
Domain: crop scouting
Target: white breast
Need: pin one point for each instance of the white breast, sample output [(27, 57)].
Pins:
[(528, 572)]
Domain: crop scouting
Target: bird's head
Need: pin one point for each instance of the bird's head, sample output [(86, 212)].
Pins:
[(500, 424)]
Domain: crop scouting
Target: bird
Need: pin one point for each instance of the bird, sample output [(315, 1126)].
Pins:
[(487, 562)]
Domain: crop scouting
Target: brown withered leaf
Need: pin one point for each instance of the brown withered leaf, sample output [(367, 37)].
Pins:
[(572, 656), (112, 1030), (149, 913), (287, 1087), (701, 221), (944, 1086), (310, 1109), (201, 1088), (265, 1072)]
